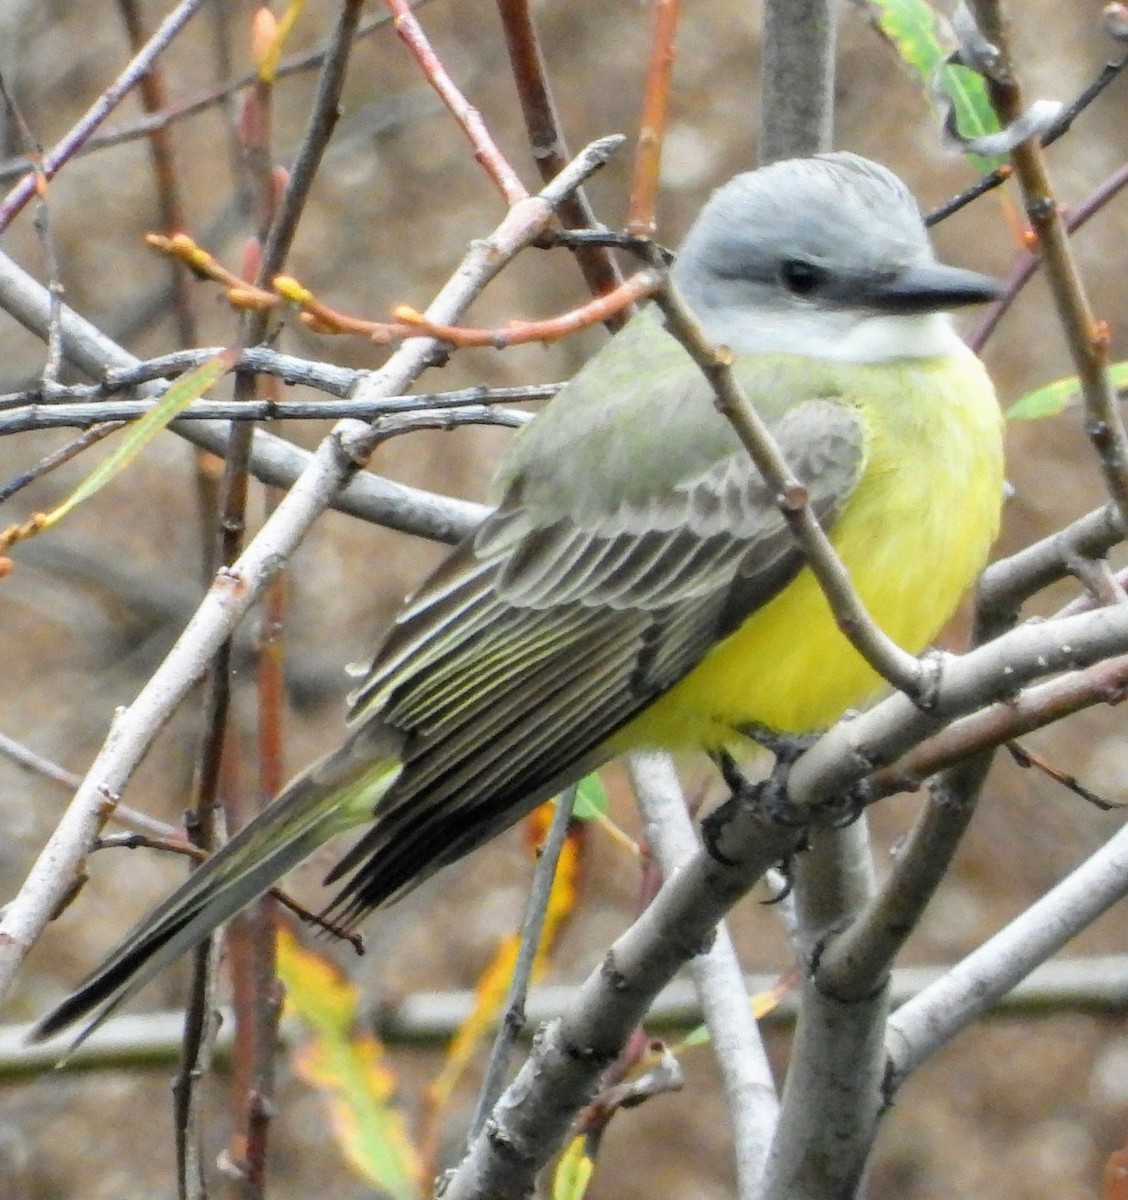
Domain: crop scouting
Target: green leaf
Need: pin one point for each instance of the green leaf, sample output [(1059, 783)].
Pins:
[(574, 1171), (591, 799), (186, 389), (917, 33), (1056, 397)]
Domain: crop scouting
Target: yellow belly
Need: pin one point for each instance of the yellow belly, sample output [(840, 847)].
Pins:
[(913, 537)]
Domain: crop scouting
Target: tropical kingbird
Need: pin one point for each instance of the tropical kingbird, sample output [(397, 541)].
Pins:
[(637, 585)]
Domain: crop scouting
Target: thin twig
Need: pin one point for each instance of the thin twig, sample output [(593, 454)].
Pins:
[(42, 222), (153, 95), (550, 150), (1031, 709), (1029, 759), (1088, 339), (26, 757), (513, 1016), (126, 81), (258, 1001), (643, 201), (322, 120), (462, 412), (1060, 127), (57, 458), (892, 663), (1028, 262), (264, 360), (469, 119)]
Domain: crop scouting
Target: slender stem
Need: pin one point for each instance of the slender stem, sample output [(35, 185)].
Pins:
[(1027, 262), (513, 1017), (469, 119), (154, 96), (550, 149), (641, 221), (70, 143), (1060, 127), (892, 663), (721, 990), (1087, 338)]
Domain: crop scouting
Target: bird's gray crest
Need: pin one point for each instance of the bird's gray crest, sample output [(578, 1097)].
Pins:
[(833, 211), (823, 257)]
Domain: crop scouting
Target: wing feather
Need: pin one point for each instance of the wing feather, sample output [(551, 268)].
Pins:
[(547, 631)]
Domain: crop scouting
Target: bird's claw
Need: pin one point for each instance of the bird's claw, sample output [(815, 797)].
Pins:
[(768, 795)]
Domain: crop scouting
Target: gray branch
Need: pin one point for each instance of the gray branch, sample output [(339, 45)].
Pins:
[(739, 1049), (236, 588), (932, 1018)]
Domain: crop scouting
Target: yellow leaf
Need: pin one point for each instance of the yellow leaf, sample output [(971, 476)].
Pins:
[(493, 985), (349, 1070), (268, 36)]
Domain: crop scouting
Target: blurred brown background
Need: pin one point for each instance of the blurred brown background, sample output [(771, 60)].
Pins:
[(1028, 1108)]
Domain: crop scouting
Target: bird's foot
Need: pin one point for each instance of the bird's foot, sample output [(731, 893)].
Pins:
[(786, 747), (767, 799), (784, 884), (771, 795), (848, 806), (768, 795)]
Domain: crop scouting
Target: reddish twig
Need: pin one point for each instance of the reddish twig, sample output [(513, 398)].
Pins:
[(652, 128), (1028, 262), (1028, 759), (153, 95), (468, 117), (1044, 704), (637, 287), (550, 150), (250, 936)]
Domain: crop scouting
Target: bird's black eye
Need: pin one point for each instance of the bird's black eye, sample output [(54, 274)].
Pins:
[(799, 277)]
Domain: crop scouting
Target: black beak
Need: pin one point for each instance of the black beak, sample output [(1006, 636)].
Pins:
[(928, 287)]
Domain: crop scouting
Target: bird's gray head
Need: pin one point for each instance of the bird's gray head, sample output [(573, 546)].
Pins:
[(824, 256)]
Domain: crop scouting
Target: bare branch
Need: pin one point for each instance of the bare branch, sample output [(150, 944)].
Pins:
[(1088, 339), (971, 987), (235, 589), (66, 147), (721, 994), (485, 149), (550, 150)]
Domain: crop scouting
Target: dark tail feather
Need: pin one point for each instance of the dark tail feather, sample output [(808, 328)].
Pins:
[(335, 794)]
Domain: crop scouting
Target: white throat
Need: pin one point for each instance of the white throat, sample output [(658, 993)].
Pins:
[(883, 339), (839, 336)]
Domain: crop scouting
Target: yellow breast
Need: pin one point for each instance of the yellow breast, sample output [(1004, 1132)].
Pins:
[(913, 536)]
